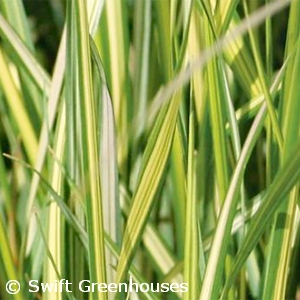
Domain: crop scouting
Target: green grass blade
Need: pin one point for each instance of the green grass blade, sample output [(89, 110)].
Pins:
[(16, 15), (115, 53), (18, 110), (191, 250), (108, 166), (55, 224), (285, 180), (7, 260), (263, 83), (217, 115), (211, 287), (24, 56), (90, 142), (281, 243), (154, 162)]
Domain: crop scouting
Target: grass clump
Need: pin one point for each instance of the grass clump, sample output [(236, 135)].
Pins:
[(150, 142)]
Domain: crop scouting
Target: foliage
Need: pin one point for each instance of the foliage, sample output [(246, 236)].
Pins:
[(153, 141)]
